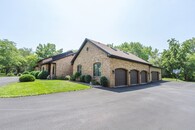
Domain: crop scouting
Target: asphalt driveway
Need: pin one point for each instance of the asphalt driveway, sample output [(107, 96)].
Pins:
[(7, 80), (157, 106)]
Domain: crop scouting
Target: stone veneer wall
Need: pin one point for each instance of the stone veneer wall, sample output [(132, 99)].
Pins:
[(94, 55), (157, 70), (88, 58), (63, 66), (127, 65)]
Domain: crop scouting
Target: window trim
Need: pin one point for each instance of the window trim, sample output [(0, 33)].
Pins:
[(99, 69), (79, 68)]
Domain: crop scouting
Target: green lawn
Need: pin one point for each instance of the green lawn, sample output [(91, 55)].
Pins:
[(172, 79), (39, 87)]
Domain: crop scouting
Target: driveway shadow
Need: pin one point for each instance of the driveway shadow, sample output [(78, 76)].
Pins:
[(133, 88)]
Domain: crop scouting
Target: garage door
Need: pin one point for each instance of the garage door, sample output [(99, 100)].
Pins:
[(120, 77), (155, 76), (134, 77), (143, 77)]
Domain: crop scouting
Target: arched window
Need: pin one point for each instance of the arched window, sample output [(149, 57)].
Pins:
[(43, 68), (97, 69), (79, 69)]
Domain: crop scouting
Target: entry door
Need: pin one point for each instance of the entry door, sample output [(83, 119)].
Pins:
[(120, 77), (134, 76)]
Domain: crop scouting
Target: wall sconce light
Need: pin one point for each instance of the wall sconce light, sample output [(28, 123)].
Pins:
[(113, 71)]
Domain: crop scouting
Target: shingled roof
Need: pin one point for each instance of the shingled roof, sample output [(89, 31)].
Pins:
[(57, 57), (112, 52)]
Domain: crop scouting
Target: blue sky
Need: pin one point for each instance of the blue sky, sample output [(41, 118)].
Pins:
[(68, 22)]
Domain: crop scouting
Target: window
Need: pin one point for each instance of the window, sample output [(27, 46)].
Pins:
[(79, 69), (43, 68), (97, 69)]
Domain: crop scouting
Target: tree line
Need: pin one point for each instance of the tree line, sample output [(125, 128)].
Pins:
[(17, 60), (179, 56)]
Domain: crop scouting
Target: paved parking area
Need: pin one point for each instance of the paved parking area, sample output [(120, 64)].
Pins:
[(7, 80), (157, 106)]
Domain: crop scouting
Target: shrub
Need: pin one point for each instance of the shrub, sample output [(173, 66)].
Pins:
[(72, 78), (10, 74), (26, 72), (82, 78), (67, 77), (43, 75), (87, 78), (94, 82), (19, 74), (27, 78), (77, 75), (104, 81), (36, 74)]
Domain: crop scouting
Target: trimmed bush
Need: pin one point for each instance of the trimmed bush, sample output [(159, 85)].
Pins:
[(67, 77), (82, 78), (43, 75), (26, 72), (72, 78), (36, 74), (94, 82), (87, 78), (27, 78), (77, 75), (19, 74), (104, 81)]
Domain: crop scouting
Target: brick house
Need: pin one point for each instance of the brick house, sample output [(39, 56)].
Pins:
[(58, 65), (121, 68)]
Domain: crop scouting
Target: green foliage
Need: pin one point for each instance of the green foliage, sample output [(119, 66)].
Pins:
[(77, 75), (10, 74), (87, 78), (82, 78), (43, 75), (19, 74), (104, 81), (179, 56), (26, 72), (47, 50), (136, 48), (67, 77), (35, 73), (27, 78), (72, 78), (8, 55), (94, 82)]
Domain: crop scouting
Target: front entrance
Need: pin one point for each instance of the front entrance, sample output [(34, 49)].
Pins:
[(134, 77), (120, 77)]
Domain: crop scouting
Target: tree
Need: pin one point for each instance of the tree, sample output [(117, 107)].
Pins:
[(171, 58), (8, 55), (47, 50), (155, 58), (137, 49)]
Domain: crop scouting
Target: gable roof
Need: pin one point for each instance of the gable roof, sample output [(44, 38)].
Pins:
[(111, 52), (57, 57)]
